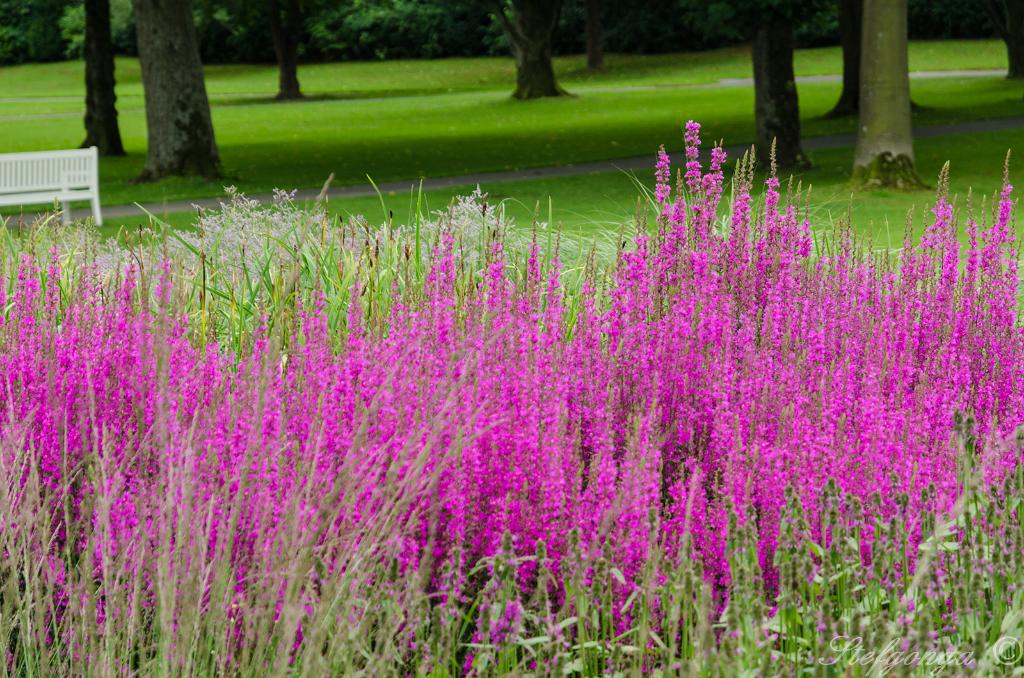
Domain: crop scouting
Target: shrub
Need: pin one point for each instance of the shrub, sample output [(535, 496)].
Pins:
[(27, 31)]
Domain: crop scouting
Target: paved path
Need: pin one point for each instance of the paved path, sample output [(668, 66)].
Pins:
[(922, 75), (640, 164)]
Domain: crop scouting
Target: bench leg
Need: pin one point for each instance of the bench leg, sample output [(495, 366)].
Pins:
[(97, 216), (65, 215)]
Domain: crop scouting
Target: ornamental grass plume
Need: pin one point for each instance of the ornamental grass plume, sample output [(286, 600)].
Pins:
[(734, 427)]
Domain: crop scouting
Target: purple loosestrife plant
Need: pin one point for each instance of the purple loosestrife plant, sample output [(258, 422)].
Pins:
[(699, 434)]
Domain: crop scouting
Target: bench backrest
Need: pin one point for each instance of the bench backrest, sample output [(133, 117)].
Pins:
[(49, 170)]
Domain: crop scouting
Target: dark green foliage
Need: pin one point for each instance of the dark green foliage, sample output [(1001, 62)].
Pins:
[(648, 27), (396, 29), (819, 29), (29, 30), (948, 19), (233, 31), (122, 28), (739, 20), (237, 30)]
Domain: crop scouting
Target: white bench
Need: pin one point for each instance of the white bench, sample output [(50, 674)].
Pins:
[(37, 178)]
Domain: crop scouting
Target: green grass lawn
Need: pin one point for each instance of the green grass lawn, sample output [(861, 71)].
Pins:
[(597, 205), (231, 83), (405, 119)]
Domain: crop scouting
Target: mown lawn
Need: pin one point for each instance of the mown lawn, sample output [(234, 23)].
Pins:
[(398, 120), (226, 83), (598, 204), (407, 119)]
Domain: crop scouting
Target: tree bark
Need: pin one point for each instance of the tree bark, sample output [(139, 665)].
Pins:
[(776, 107), (1008, 18), (595, 36), (101, 129), (285, 32), (1015, 55), (851, 13), (884, 157), (178, 124), (529, 25)]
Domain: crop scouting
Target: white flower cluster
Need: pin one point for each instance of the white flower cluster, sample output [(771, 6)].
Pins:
[(240, 237)]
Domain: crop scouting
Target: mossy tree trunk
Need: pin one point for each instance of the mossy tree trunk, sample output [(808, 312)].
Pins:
[(179, 129), (595, 36), (850, 15), (1008, 18), (101, 129), (776, 106), (528, 25), (285, 32), (884, 157)]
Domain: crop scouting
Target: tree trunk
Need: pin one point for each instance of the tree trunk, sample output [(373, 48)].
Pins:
[(776, 108), (1015, 55), (285, 32), (851, 13), (101, 128), (884, 157), (1014, 39), (178, 124), (1008, 18), (529, 26), (595, 35)]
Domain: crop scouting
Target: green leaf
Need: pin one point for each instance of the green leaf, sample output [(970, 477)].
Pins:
[(565, 623), (575, 666)]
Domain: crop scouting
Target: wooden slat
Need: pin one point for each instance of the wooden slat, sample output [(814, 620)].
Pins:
[(50, 170)]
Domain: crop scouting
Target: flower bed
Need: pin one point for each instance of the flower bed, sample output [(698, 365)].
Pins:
[(737, 444)]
